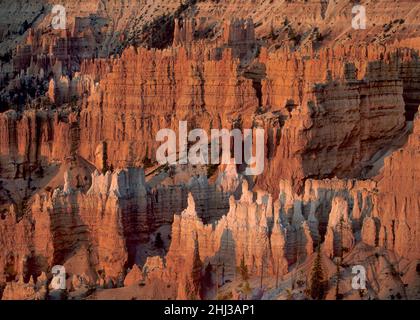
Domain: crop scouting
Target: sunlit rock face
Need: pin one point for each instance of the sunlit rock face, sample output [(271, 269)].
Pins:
[(80, 185)]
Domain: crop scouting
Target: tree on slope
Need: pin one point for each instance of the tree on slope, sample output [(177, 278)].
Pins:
[(317, 289)]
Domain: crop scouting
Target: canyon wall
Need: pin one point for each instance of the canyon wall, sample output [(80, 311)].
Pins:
[(80, 110)]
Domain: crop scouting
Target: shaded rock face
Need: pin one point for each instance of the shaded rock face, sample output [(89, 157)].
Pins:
[(241, 234), (336, 214), (98, 232), (36, 138), (398, 211), (340, 85), (80, 110)]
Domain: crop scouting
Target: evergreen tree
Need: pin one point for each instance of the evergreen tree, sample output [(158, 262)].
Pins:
[(247, 290), (338, 295), (196, 270), (243, 269), (158, 241), (190, 291), (317, 288), (207, 279)]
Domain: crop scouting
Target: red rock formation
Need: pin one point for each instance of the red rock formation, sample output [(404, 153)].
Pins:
[(369, 232), (196, 90), (243, 233), (25, 291), (339, 237), (36, 137), (135, 276), (397, 202), (184, 32), (309, 91), (80, 109)]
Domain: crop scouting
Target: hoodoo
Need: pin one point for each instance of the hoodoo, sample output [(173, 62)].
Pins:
[(228, 150)]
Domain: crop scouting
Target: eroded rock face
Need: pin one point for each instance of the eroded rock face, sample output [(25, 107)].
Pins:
[(24, 291), (80, 110), (321, 110), (15, 245), (34, 139), (369, 231), (135, 276), (195, 82), (398, 211), (213, 246), (339, 237), (99, 231), (246, 234), (334, 84)]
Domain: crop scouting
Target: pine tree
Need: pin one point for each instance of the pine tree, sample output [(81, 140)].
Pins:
[(158, 241), (338, 295), (207, 279), (341, 236), (247, 290), (277, 273), (243, 269), (196, 270), (317, 289), (190, 291)]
